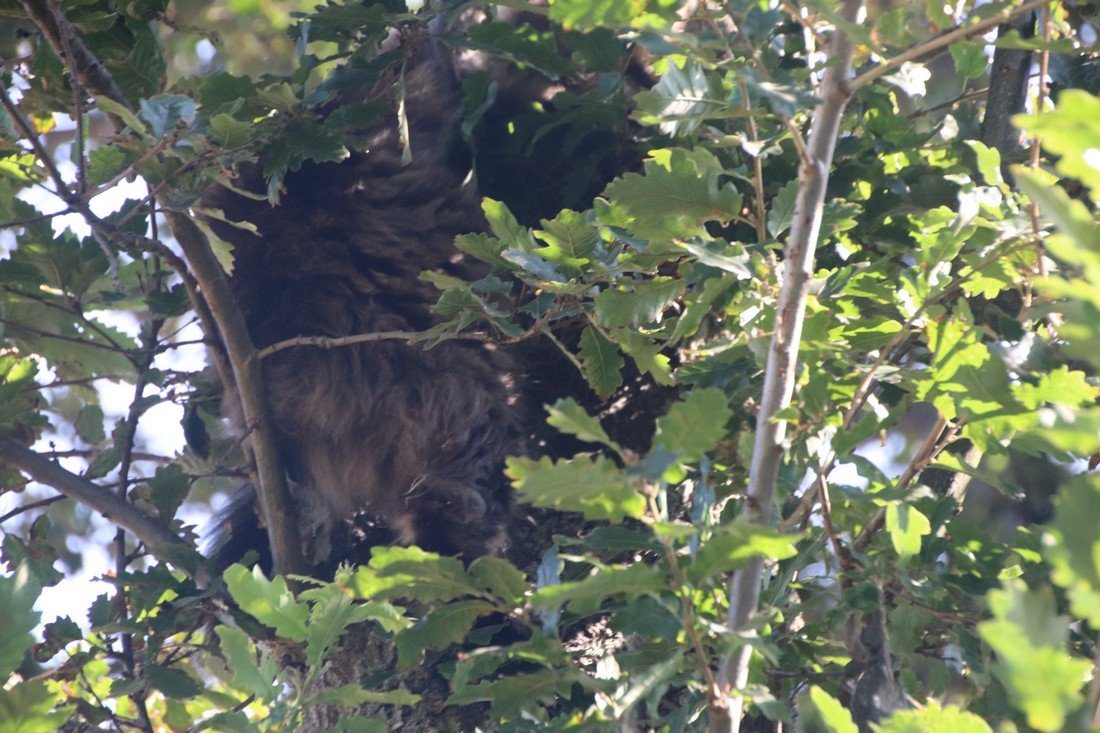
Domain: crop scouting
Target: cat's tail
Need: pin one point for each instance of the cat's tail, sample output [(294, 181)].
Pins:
[(235, 534)]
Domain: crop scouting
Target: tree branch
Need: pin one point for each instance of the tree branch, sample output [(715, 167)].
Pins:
[(941, 41), (159, 538), (332, 342), (780, 373), (63, 39), (212, 287), (244, 360)]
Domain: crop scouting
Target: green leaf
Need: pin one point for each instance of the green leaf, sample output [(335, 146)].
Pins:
[(643, 302), (89, 424), (866, 333), (409, 572), (570, 418), (1070, 215), (787, 100), (522, 44), (584, 596), (164, 111), (328, 619), (503, 224), (649, 618), (442, 627), (585, 14), (104, 163), (222, 249), (932, 718), (970, 59), (483, 247), (1070, 130), (695, 424), (732, 545), (513, 694), (167, 490), (820, 712), (571, 239), (677, 193), (734, 260), (646, 354), (593, 486), (1073, 548), (18, 594), (354, 696), (965, 377), (172, 682), (499, 577), (681, 100), (1060, 386), (31, 707), (269, 601), (112, 107), (906, 527), (601, 362), (989, 161), (782, 210), (255, 678), (1044, 681), (224, 91), (596, 50), (228, 132)]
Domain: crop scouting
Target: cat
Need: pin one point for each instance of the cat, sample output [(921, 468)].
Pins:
[(409, 439)]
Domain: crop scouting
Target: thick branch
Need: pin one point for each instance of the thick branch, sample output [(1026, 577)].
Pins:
[(156, 536), (212, 286), (274, 494), (62, 37), (1008, 78), (781, 370)]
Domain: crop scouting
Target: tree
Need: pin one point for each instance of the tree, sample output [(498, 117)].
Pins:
[(860, 296)]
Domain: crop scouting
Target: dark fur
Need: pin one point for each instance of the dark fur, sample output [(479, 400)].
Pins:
[(411, 438)]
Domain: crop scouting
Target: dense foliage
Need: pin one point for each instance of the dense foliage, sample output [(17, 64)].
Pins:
[(950, 344)]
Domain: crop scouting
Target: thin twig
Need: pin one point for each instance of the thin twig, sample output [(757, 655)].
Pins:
[(716, 701), (122, 560), (936, 440), (941, 41), (1036, 154), (332, 342), (66, 36), (757, 166), (40, 152), (31, 507)]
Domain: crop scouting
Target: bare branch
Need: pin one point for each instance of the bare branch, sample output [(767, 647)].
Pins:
[(933, 444), (49, 501), (332, 342), (157, 536), (779, 375), (244, 360)]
